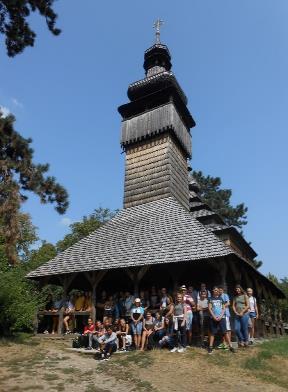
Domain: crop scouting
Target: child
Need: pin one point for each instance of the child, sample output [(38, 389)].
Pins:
[(217, 321)]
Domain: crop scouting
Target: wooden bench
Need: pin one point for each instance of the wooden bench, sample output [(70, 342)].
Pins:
[(59, 314)]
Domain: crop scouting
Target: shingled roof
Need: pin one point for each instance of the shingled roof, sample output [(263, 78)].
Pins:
[(158, 232)]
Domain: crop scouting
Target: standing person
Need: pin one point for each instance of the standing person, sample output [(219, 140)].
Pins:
[(137, 314), (100, 304), (216, 307), (227, 315), (144, 301), (240, 308), (202, 308), (108, 343), (128, 304), (190, 305), (202, 288), (179, 325), (253, 314), (148, 326), (109, 308), (166, 303), (153, 298)]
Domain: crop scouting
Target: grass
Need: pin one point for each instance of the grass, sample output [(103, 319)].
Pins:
[(269, 362), (19, 338)]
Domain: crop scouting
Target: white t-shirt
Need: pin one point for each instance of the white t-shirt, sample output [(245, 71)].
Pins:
[(252, 304)]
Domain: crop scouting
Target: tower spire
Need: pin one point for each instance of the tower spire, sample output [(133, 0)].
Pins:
[(157, 24)]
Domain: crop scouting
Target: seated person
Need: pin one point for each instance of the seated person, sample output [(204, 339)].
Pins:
[(108, 343), (89, 330), (122, 332), (68, 314), (79, 302), (47, 321), (148, 326), (56, 308), (158, 331), (88, 301), (168, 338)]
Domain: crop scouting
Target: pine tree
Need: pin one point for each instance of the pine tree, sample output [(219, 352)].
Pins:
[(219, 200), (19, 174), (14, 16)]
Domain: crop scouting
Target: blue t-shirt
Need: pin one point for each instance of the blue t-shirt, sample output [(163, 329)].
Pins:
[(217, 305), (137, 311), (226, 299)]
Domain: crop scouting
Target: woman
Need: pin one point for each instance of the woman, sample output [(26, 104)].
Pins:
[(144, 301), (253, 314), (122, 332), (68, 314), (241, 308), (179, 325), (108, 310), (202, 308), (137, 314), (88, 301), (148, 326), (158, 331), (168, 339)]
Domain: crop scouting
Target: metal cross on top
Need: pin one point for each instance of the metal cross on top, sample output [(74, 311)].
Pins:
[(157, 26)]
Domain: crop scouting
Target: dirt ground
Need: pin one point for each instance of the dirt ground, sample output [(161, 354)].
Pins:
[(42, 364)]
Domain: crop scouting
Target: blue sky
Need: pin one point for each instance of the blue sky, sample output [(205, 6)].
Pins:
[(231, 59)]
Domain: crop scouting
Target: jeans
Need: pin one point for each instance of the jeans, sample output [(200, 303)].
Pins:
[(110, 348), (180, 336), (241, 327), (91, 338)]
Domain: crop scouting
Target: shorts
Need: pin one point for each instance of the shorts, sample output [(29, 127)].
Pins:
[(137, 328), (189, 321), (228, 324), (252, 315), (214, 326)]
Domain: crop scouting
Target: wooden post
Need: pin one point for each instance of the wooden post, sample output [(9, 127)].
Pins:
[(136, 276), (94, 280)]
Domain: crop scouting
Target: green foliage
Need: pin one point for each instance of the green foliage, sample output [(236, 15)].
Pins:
[(81, 229), (14, 16), (19, 174), (18, 300), (283, 285), (219, 200)]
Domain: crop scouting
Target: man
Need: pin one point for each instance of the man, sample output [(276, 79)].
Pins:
[(108, 343), (190, 306), (216, 307)]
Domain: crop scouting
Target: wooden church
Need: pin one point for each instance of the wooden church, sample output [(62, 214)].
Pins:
[(165, 235)]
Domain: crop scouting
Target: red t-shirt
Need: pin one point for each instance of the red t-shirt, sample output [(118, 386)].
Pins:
[(89, 328)]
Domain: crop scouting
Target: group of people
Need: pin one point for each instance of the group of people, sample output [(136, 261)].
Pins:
[(158, 320)]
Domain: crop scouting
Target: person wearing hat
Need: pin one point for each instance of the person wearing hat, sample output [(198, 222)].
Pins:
[(137, 314)]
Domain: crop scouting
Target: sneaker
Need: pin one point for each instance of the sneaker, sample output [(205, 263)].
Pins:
[(181, 350), (232, 349), (46, 332), (210, 350), (221, 346), (174, 350)]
